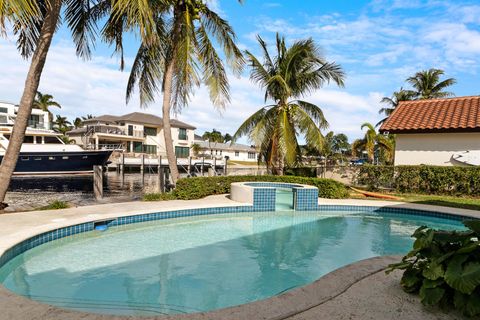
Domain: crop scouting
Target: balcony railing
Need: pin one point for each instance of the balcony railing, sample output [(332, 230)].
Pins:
[(37, 124)]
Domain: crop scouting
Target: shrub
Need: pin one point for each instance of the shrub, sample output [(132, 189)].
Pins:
[(422, 179), (444, 268), (200, 187), (302, 172), (56, 205)]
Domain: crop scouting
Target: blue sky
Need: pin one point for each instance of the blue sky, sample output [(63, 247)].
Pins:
[(379, 43)]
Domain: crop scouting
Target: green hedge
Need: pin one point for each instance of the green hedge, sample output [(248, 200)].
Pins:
[(422, 179), (200, 187)]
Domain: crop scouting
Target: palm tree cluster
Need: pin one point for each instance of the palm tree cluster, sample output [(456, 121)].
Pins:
[(425, 84), (378, 147), (216, 136), (294, 72)]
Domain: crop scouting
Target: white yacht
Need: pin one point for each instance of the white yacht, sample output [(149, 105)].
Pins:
[(43, 152)]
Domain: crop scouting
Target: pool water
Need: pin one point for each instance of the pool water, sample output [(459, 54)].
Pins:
[(203, 263), (283, 198)]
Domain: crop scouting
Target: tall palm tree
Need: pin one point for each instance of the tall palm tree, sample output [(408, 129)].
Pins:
[(179, 56), (77, 123), (61, 122), (294, 72), (393, 101), (35, 23), (427, 84), (374, 142), (43, 102), (213, 136)]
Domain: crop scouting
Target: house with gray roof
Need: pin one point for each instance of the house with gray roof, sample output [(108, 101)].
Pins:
[(234, 151), (135, 132)]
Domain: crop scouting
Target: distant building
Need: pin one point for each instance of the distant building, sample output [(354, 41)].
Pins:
[(235, 151), (134, 133), (441, 132), (38, 119)]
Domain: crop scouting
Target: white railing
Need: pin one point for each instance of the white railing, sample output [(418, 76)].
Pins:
[(118, 147)]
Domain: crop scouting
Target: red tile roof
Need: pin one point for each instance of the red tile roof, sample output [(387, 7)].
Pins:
[(460, 114)]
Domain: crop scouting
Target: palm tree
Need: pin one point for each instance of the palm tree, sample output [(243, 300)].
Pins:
[(35, 23), (227, 138), (43, 102), (374, 142), (87, 117), (178, 56), (427, 84), (77, 123), (293, 73), (392, 103), (61, 123), (213, 136)]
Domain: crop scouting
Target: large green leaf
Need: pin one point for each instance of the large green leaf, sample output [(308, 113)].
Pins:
[(430, 284), (463, 278), (433, 271), (410, 280), (473, 225), (469, 248), (460, 300), (424, 239), (431, 296), (472, 308)]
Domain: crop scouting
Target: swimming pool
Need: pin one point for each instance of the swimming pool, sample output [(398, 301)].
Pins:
[(201, 263)]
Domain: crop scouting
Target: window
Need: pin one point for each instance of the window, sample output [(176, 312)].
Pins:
[(182, 152), (3, 119), (35, 121), (25, 158), (37, 158), (251, 155), (28, 139), (182, 134), (51, 158), (65, 157), (130, 130), (237, 153), (150, 149), (138, 147), (148, 131), (51, 140), (3, 110)]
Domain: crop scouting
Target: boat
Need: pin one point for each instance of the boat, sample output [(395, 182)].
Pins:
[(44, 153), (469, 157)]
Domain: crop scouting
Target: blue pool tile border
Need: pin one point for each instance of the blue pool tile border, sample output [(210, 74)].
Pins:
[(259, 207)]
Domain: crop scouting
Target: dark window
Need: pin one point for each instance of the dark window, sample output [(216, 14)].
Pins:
[(3, 110), (182, 134), (25, 158), (237, 153), (182, 152), (6, 136), (28, 139), (150, 149), (37, 158), (130, 130), (251, 155), (51, 140), (150, 131), (138, 147), (3, 119), (35, 121)]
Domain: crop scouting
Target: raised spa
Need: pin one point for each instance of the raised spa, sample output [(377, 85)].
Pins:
[(189, 263)]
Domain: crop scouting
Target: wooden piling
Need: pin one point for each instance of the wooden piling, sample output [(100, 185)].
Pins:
[(202, 169), (98, 182), (142, 163), (122, 162), (225, 167)]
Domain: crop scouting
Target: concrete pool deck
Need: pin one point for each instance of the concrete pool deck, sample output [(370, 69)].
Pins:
[(358, 291)]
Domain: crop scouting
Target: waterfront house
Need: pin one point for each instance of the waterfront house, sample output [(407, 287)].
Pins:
[(135, 133), (234, 151), (38, 119), (441, 132)]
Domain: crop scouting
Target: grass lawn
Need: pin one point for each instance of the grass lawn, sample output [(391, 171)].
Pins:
[(446, 201)]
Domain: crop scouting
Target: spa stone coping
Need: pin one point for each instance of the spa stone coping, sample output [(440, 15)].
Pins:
[(17, 227)]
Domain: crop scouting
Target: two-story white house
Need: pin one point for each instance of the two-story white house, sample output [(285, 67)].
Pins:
[(234, 151), (38, 119), (135, 132)]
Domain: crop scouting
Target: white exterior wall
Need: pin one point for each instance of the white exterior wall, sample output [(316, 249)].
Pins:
[(433, 148), (11, 108)]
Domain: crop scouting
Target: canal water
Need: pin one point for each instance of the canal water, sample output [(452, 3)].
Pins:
[(27, 193)]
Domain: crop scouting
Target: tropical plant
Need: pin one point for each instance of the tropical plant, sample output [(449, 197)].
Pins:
[(335, 145), (34, 23), (392, 102), (427, 84), (444, 268), (373, 142), (293, 73), (61, 122), (177, 56), (44, 102), (77, 123), (87, 117), (213, 136), (196, 149)]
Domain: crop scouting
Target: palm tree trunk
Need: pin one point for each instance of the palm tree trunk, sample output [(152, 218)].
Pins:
[(25, 109), (167, 129)]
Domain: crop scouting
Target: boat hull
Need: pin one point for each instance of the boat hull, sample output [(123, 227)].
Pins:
[(38, 163)]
